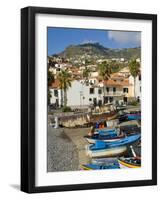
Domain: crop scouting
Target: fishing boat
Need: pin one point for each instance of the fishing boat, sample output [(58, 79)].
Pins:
[(135, 115), (100, 167), (131, 162), (105, 131), (130, 129), (109, 137), (94, 118), (110, 149), (123, 118)]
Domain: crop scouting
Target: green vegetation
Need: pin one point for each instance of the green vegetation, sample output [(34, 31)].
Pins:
[(134, 103), (86, 73), (66, 109), (134, 67), (96, 50), (65, 82), (104, 70), (50, 81)]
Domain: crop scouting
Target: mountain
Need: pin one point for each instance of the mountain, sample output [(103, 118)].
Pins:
[(96, 51)]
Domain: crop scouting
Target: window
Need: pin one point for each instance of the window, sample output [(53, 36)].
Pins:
[(107, 89), (91, 90), (111, 99), (125, 90), (56, 93), (100, 102), (90, 99), (114, 89), (99, 91), (139, 77), (94, 101)]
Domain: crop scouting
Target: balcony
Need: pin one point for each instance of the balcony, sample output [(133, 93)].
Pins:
[(117, 93)]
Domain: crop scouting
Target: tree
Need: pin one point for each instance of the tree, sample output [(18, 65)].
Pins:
[(86, 74), (134, 67), (50, 81), (65, 82), (50, 78), (104, 71)]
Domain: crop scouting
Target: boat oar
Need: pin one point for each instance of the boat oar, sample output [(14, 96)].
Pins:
[(132, 150)]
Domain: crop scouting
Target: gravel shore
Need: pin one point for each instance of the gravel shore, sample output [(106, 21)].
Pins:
[(62, 153)]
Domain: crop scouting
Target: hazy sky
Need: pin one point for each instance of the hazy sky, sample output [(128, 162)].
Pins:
[(60, 38)]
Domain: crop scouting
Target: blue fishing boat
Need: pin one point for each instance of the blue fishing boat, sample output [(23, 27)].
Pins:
[(100, 167), (105, 131), (134, 115), (111, 149), (109, 137)]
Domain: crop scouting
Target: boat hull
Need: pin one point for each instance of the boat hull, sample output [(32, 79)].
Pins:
[(92, 141), (125, 165), (99, 167), (111, 152), (133, 117)]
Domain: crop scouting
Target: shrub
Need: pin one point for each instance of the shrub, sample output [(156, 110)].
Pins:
[(66, 109), (134, 103)]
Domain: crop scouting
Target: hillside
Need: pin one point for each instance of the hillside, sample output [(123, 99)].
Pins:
[(96, 51)]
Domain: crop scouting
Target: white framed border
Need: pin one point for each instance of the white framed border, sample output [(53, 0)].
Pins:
[(44, 178)]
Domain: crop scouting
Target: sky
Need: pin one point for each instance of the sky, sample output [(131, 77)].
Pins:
[(60, 38)]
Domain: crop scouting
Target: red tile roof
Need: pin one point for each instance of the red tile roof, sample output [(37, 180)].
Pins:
[(117, 83)]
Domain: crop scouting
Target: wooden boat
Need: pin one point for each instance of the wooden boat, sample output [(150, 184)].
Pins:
[(122, 118), (131, 162), (111, 137), (130, 129), (134, 115), (103, 117), (110, 149), (105, 131), (100, 167)]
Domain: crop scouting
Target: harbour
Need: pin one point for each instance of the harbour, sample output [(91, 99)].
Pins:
[(71, 151)]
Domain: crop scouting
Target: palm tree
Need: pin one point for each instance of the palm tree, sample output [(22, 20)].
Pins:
[(104, 71), (86, 74), (65, 82), (50, 81), (134, 67)]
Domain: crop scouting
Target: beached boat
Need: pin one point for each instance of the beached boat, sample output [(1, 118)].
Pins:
[(105, 131), (94, 118), (100, 167), (130, 129), (134, 116), (123, 118), (111, 149), (132, 162), (109, 137)]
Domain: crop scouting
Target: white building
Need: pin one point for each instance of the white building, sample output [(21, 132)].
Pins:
[(136, 86), (82, 94), (56, 94)]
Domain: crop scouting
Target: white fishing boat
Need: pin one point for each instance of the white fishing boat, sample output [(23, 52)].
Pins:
[(110, 149), (111, 152)]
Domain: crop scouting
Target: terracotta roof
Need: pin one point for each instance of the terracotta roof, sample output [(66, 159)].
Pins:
[(111, 82)]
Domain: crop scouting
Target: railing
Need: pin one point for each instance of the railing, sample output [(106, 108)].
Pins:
[(114, 93)]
